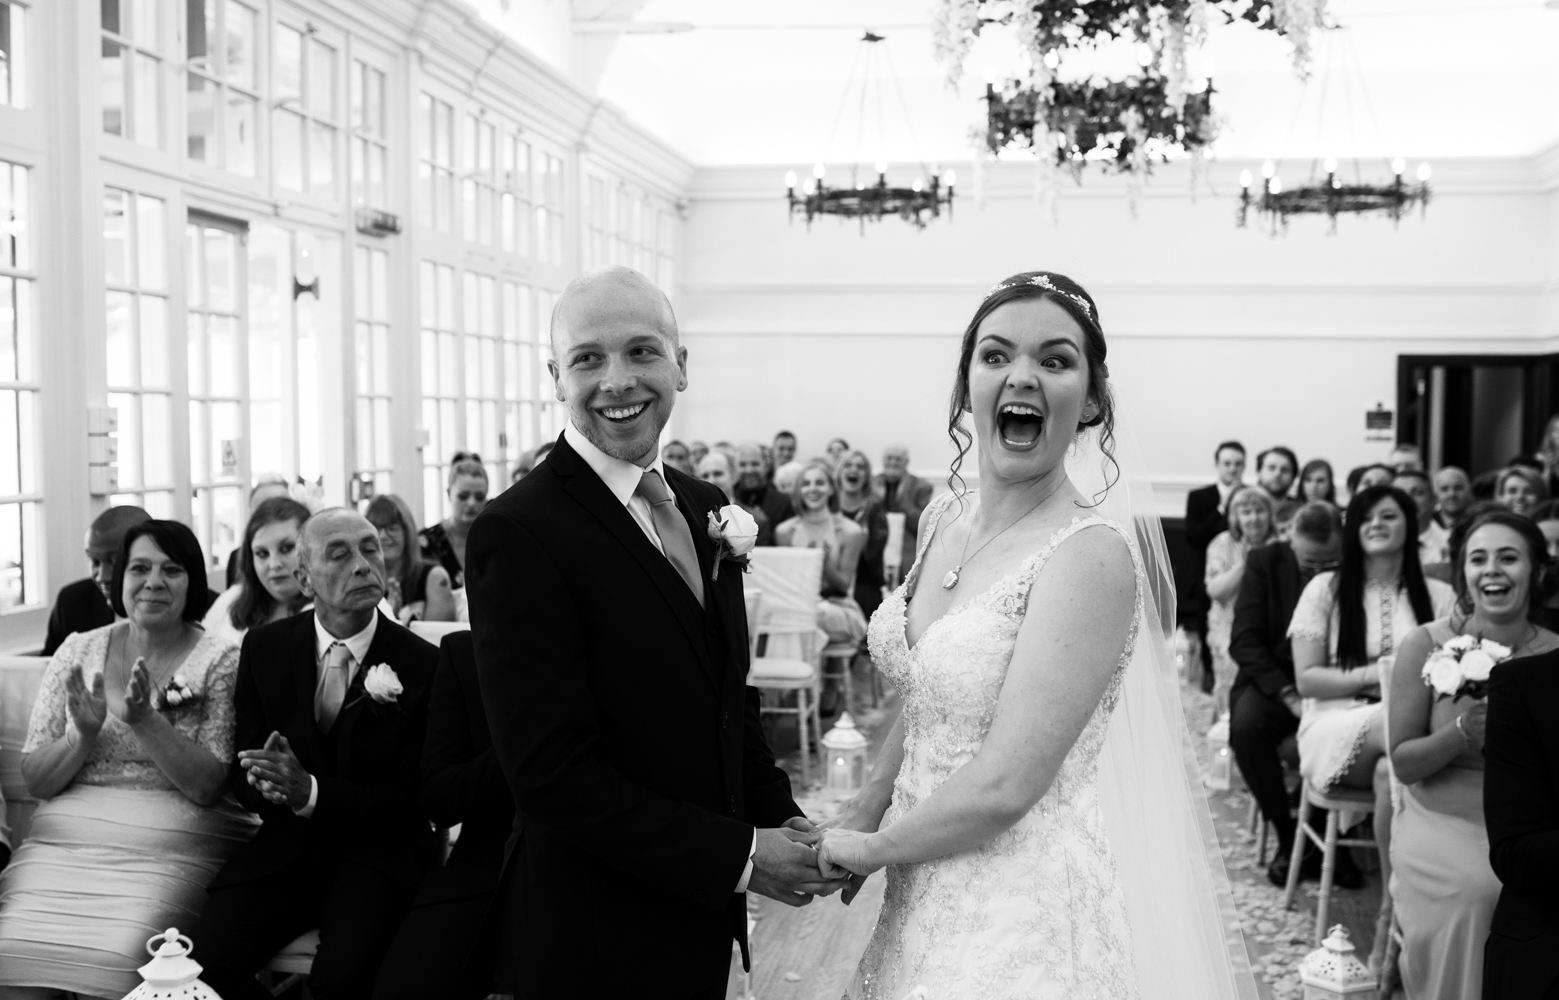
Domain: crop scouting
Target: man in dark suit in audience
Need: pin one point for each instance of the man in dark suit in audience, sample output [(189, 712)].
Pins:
[(751, 487), (1206, 515), (1264, 704), (462, 784), (784, 450), (1521, 811), (331, 705), (1276, 470), (83, 605), (903, 492)]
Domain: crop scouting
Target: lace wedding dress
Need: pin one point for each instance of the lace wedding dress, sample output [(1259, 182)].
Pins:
[(1038, 911)]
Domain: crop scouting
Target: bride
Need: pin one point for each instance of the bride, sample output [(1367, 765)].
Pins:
[(1035, 804)]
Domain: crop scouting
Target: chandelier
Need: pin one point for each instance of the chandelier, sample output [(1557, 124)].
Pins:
[(1331, 197), (926, 197)]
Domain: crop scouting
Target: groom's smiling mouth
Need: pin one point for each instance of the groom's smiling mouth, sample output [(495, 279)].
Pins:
[(623, 414), (1019, 425)]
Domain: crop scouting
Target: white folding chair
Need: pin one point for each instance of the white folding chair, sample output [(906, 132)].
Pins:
[(294, 962), (435, 632), (19, 680), (789, 581)]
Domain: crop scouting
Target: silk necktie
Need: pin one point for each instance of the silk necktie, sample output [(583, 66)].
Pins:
[(671, 526), (330, 692)]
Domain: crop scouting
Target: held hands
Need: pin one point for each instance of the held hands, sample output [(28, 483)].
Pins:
[(857, 820), (276, 773), (784, 867), (1474, 723), (88, 708), (843, 853)]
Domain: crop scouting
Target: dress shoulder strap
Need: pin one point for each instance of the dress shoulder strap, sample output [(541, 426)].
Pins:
[(1036, 562), (937, 508)]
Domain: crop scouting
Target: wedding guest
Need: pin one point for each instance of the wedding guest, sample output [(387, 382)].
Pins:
[(696, 450), (1265, 706), (267, 588), (675, 454), (462, 785), (860, 504), (1207, 516), (1483, 486), (418, 590), (1433, 540), (1548, 455), (129, 744), (267, 486), (1521, 814), (445, 542), (835, 450), (784, 449), (1345, 622), (1406, 457), (716, 469), (1546, 516), (785, 477), (1442, 882), (331, 710), (752, 488), (1520, 488), (1453, 494), (1283, 514), (1250, 526), (1368, 476), (1316, 482), (86, 604), (1276, 469), (819, 525), (902, 492)]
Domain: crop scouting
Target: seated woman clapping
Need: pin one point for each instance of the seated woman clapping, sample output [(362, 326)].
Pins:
[(419, 589), (267, 589), (130, 742), (1345, 624), (819, 525), (1444, 887)]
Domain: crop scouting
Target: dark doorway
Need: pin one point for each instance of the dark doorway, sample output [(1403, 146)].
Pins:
[(1475, 411)]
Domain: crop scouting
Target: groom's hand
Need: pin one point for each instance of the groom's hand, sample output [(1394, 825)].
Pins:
[(784, 867)]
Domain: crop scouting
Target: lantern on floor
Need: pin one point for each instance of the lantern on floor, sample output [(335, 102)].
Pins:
[(171, 972), (1220, 761), (1333, 971), (845, 750)]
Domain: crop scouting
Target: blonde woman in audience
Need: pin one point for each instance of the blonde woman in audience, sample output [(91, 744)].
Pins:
[(819, 525), (445, 542), (129, 745), (1252, 524), (786, 475), (418, 590), (1520, 488), (1345, 630), (1443, 885), (267, 589)]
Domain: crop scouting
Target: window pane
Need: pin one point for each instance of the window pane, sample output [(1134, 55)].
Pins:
[(12, 587), (156, 439), (381, 384), (111, 87), (221, 264), (200, 31), (287, 138), (158, 505), (379, 305), (10, 469), (129, 439), (154, 342), (382, 433), (144, 23), (12, 35), (322, 160), (222, 341), (120, 338), (200, 118), (109, 11), (240, 50), (150, 239), (116, 237), (226, 535), (146, 120), (24, 330), (9, 325), (224, 431), (288, 82), (197, 355), (322, 80), (239, 127), (377, 155)]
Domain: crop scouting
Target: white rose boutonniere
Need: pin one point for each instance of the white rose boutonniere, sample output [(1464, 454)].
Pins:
[(177, 694), (734, 532), (381, 684)]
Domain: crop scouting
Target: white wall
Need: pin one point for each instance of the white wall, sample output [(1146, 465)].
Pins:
[(1214, 331)]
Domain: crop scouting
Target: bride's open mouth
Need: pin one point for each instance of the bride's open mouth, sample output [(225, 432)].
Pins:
[(1019, 425)]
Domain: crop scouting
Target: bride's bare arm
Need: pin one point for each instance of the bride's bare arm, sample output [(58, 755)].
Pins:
[(1067, 649)]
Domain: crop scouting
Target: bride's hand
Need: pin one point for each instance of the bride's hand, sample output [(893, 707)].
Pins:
[(843, 852)]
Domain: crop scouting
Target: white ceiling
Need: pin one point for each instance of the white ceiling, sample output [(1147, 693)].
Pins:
[(762, 82)]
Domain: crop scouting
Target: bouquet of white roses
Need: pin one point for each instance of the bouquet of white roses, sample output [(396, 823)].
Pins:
[(1462, 666)]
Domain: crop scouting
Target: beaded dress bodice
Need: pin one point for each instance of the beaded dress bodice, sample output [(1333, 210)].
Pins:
[(1037, 911)]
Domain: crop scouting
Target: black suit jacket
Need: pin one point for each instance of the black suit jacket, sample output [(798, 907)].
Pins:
[(1203, 522), (79, 607), (629, 738), (367, 810), (1259, 640), (1521, 811)]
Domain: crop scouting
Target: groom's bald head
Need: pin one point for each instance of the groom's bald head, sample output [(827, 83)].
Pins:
[(612, 294)]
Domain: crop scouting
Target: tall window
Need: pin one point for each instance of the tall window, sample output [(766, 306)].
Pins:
[(549, 208), (597, 223), (130, 70), (517, 201), (531, 414), (483, 376), (478, 195), (435, 163), (305, 123), (375, 458), (440, 383), (370, 139), (221, 84), (13, 52), (215, 291), (21, 555), (665, 244), (135, 268)]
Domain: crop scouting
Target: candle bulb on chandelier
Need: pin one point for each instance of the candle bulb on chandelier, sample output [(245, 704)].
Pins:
[(950, 178), (1269, 169), (790, 180), (916, 185), (1423, 172), (819, 170), (1245, 180), (882, 171), (1275, 185), (1398, 166)]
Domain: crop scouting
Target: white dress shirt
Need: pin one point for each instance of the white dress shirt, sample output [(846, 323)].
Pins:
[(622, 479), (357, 648)]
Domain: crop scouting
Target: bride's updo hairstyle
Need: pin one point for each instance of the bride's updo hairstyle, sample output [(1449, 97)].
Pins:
[(1072, 297)]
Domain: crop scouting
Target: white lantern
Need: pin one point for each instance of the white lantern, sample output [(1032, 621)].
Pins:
[(845, 750), (171, 972), (1333, 972), (1220, 763)]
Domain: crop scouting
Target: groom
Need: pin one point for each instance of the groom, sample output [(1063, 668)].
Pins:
[(611, 646)]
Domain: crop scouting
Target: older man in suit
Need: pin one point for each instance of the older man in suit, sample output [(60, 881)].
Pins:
[(332, 706), (902, 492)]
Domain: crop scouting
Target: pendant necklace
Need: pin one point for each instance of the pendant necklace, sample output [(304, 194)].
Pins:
[(951, 579)]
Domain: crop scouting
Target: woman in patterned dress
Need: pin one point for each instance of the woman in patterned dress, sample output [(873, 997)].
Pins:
[(1252, 524), (129, 744)]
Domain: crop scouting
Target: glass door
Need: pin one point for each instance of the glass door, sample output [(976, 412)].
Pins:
[(218, 461)]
